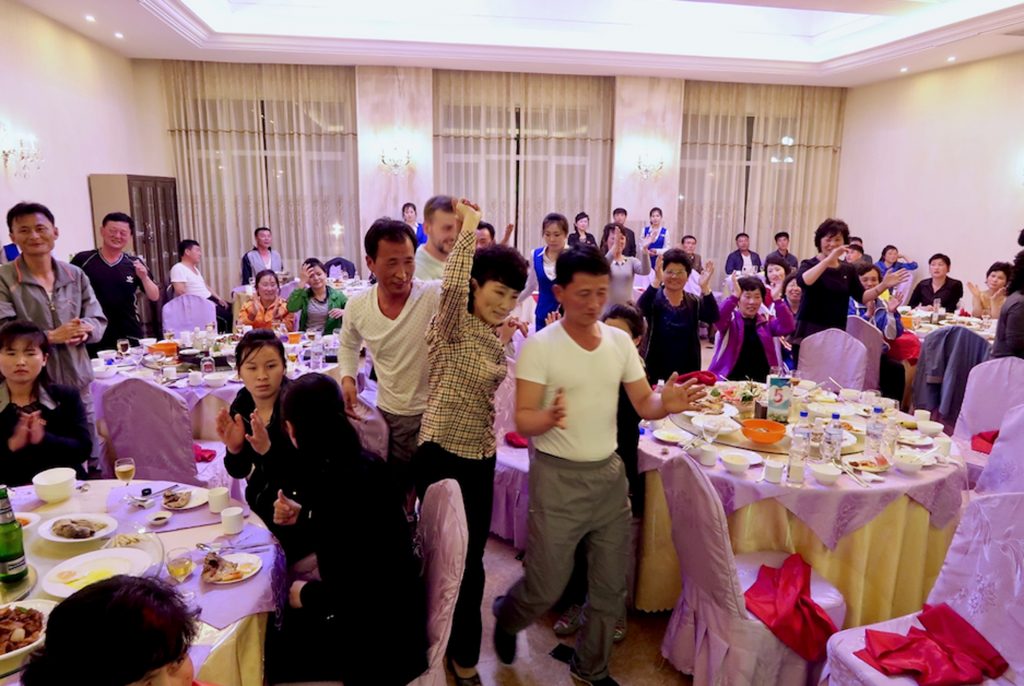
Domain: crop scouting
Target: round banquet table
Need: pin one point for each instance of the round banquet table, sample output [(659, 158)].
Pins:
[(881, 546), (233, 655)]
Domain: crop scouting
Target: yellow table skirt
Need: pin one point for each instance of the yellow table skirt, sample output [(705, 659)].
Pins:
[(884, 569)]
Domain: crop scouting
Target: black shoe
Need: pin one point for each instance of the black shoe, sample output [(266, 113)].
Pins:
[(463, 680), (504, 642), (577, 677)]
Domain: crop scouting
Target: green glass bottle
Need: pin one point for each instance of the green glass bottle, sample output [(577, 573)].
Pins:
[(13, 566)]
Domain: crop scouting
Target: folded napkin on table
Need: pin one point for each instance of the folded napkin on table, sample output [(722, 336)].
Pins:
[(947, 652), (203, 455), (982, 442), (515, 440), (781, 598)]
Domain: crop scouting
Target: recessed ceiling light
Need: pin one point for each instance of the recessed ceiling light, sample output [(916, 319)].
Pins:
[(119, 35), (91, 19), (904, 70), (951, 58)]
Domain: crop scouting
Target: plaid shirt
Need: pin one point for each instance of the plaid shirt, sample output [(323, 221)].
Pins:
[(467, 364), (258, 317)]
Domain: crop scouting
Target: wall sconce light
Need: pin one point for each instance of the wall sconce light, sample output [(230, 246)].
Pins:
[(19, 152), (337, 229), (395, 160), (648, 165)]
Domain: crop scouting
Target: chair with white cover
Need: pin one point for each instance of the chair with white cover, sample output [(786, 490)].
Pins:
[(444, 535), (152, 425), (510, 508), (993, 387), (980, 580), (287, 288), (874, 342), (372, 428), (1004, 470), (833, 353), (710, 634), (186, 312)]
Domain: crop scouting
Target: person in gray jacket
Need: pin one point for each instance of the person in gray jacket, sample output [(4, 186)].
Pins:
[(54, 295)]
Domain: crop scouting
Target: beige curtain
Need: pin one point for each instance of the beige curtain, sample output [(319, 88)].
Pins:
[(525, 143), (759, 159), (264, 145)]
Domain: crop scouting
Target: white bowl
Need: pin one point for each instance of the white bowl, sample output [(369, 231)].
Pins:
[(734, 463), (929, 428), (54, 485), (826, 474), (28, 519), (104, 372), (908, 463), (107, 355), (216, 379), (159, 518), (147, 341)]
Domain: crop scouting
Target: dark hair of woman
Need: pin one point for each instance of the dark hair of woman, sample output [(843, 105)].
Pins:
[(831, 227), (23, 330), (677, 256), (256, 340), (147, 621), (1016, 284), (314, 407), (1005, 267), (629, 314), (751, 284), (865, 268), (268, 272), (501, 263)]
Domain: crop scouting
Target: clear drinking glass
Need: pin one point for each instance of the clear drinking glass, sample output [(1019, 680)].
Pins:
[(710, 428), (124, 470), (180, 564)]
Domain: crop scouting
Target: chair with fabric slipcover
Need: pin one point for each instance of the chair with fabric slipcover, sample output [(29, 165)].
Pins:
[(874, 342), (338, 267), (948, 356), (372, 428), (444, 535), (711, 635), (186, 312), (510, 508), (980, 580), (993, 387), (1004, 470), (162, 449), (836, 354)]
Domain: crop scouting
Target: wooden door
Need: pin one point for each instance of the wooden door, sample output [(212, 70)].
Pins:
[(154, 206)]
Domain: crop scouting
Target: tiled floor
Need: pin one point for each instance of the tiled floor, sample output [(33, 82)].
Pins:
[(636, 661)]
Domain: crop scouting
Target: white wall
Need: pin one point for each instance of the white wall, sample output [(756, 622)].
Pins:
[(935, 163), (91, 110)]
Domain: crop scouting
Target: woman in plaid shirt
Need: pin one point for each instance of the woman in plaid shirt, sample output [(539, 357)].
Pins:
[(466, 342)]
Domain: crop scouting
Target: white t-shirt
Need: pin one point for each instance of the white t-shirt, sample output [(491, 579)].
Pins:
[(748, 263), (194, 282), (591, 382), (428, 267)]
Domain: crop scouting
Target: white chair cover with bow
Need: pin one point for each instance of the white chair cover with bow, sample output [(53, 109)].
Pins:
[(1004, 472), (833, 353), (445, 534), (372, 428), (993, 387), (711, 635), (980, 580), (186, 312), (874, 342)]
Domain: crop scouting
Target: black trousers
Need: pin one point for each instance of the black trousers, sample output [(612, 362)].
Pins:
[(433, 463), (225, 321), (892, 379)]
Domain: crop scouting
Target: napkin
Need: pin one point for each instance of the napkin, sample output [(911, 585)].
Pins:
[(515, 440), (983, 442), (781, 598), (703, 378), (947, 652), (201, 454)]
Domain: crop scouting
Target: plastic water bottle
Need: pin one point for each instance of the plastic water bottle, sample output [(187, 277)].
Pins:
[(799, 448), (832, 441), (316, 356), (873, 439)]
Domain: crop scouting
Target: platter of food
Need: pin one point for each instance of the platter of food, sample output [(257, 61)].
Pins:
[(78, 527), (23, 626), (88, 568), (230, 568), (186, 498)]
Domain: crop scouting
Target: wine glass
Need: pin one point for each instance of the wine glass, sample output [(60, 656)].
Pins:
[(124, 470), (229, 357), (179, 567), (135, 355)]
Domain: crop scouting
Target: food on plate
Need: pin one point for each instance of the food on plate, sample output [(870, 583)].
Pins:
[(125, 540), (24, 521), (19, 627), (869, 464), (77, 581), (847, 426), (217, 569), (177, 500), (710, 404), (76, 528)]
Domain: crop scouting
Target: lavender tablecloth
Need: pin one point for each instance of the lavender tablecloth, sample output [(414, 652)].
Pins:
[(831, 512), (131, 517)]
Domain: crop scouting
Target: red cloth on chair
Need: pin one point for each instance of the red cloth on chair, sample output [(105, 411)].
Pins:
[(983, 442), (514, 440), (906, 346), (202, 455), (948, 652), (781, 598)]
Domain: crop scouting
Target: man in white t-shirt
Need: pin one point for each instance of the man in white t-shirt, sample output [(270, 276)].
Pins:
[(188, 280), (567, 393), (439, 225), (392, 318)]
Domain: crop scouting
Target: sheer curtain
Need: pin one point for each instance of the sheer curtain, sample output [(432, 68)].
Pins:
[(759, 159), (525, 145), (264, 145)]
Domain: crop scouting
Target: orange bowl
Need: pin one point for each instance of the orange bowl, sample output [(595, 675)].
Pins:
[(763, 430)]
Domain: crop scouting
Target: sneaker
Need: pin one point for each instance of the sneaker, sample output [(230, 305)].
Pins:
[(620, 630), (504, 642), (570, 621), (578, 678)]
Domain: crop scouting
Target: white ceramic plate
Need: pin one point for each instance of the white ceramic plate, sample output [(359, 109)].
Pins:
[(254, 562), (828, 409), (28, 519), (669, 436), (200, 496), (110, 526), (875, 469), (727, 411), (45, 607), (753, 459), (913, 439), (848, 438), (95, 566), (727, 425)]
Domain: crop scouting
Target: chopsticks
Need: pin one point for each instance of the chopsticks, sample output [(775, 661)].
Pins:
[(846, 469)]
